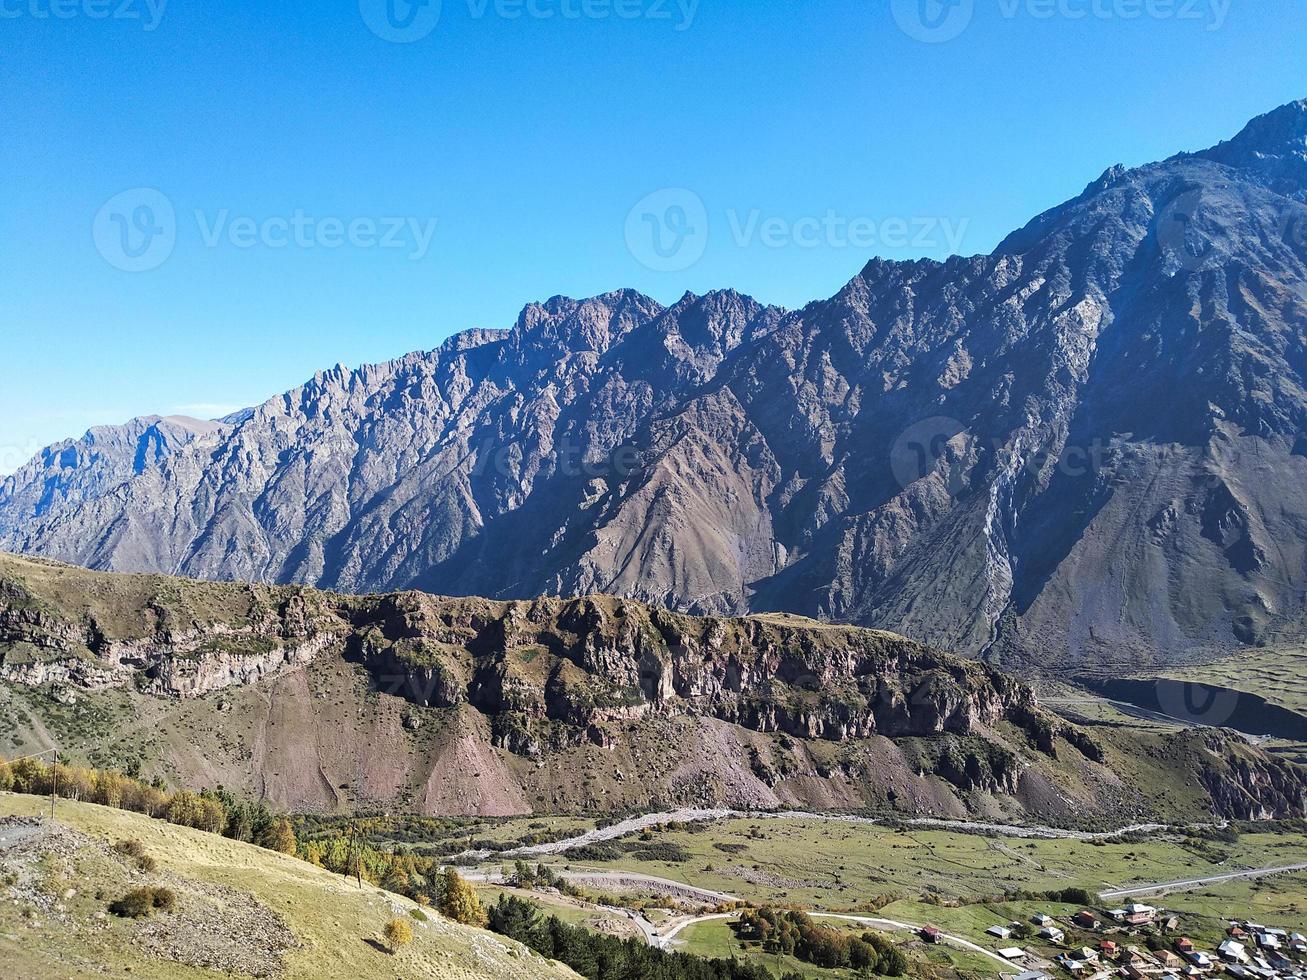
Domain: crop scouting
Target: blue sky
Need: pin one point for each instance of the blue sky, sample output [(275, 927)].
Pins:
[(206, 201)]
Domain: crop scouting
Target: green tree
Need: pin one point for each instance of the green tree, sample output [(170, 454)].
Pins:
[(514, 917)]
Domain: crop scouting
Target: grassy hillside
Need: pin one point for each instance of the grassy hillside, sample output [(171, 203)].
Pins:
[(238, 906)]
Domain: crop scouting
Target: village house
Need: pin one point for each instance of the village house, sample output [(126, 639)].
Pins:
[(1086, 919), (1168, 959), (1233, 951), (1053, 934), (1202, 961), (1138, 915)]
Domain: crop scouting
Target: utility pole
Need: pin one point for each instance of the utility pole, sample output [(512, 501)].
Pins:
[(356, 857), (54, 773)]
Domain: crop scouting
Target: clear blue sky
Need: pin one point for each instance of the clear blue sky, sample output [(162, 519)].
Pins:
[(529, 140)]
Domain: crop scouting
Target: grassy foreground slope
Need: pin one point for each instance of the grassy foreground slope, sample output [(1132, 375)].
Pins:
[(334, 927)]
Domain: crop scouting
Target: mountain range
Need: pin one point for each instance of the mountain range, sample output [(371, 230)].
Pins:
[(1086, 448)]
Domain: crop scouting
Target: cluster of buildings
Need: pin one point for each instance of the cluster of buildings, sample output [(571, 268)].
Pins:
[(1250, 951)]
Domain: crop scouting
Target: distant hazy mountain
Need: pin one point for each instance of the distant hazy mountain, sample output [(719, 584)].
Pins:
[(1087, 447)]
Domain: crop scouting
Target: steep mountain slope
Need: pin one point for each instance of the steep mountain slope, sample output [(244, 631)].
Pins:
[(454, 705), (1084, 449)]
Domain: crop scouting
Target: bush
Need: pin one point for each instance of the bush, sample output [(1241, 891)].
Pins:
[(130, 848), (140, 902), (398, 933), (165, 899)]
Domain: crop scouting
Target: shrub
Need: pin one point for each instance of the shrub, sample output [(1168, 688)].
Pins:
[(140, 902), (398, 933), (164, 899), (136, 904), (130, 848)]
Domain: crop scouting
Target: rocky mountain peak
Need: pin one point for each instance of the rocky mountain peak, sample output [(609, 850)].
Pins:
[(1274, 146)]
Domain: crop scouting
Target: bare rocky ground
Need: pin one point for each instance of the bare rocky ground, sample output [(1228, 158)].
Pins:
[(60, 882)]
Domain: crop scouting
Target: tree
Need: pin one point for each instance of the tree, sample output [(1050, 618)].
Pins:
[(278, 836), (514, 917), (398, 933), (458, 900), (399, 876)]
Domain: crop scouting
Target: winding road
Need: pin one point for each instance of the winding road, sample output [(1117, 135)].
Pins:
[(664, 939)]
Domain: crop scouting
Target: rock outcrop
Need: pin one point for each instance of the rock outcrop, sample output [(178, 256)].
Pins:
[(451, 704)]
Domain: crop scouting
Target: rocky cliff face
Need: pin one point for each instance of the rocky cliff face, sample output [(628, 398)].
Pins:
[(588, 662), (1085, 448), (419, 700), (583, 663)]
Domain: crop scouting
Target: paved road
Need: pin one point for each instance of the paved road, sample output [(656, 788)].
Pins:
[(1179, 886)]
